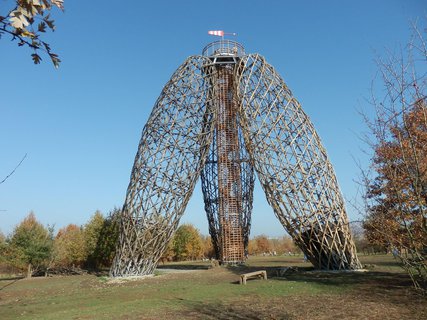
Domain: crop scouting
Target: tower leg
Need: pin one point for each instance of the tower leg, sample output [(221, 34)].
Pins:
[(171, 154), (293, 168)]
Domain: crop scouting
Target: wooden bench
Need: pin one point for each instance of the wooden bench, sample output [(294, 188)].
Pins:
[(255, 274)]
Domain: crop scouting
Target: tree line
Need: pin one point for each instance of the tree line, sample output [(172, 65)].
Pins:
[(37, 249)]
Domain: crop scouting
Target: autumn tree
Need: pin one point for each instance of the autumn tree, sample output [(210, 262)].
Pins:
[(2, 247), (70, 247), (107, 240), (169, 253), (92, 235), (259, 244), (396, 186), (286, 245), (2, 238), (208, 249), (26, 21), (187, 243), (275, 244), (361, 241), (262, 244), (30, 245)]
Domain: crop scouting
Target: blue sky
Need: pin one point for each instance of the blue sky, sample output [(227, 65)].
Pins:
[(80, 125)]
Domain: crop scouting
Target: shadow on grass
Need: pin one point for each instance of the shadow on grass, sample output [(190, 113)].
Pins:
[(391, 284), (394, 264), (333, 278), (272, 271), (384, 280), (239, 311), (395, 288), (100, 273), (278, 260), (184, 267), (12, 279)]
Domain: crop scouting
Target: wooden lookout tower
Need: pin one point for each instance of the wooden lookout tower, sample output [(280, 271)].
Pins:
[(224, 116)]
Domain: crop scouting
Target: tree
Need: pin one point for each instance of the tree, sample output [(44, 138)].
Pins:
[(287, 245), (70, 247), (92, 233), (363, 244), (27, 21), (2, 239), (262, 244), (108, 237), (169, 253), (208, 249), (187, 243), (30, 244), (259, 244), (396, 187), (2, 247)]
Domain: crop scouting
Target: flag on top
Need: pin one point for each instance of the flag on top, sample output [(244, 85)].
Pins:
[(216, 33)]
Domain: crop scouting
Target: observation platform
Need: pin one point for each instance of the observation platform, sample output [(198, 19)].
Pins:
[(224, 51)]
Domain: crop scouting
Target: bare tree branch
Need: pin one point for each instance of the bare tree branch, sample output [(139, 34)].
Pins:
[(13, 171)]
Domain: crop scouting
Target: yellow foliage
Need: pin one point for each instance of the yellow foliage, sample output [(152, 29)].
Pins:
[(70, 246)]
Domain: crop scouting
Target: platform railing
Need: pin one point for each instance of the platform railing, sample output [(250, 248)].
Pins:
[(223, 48)]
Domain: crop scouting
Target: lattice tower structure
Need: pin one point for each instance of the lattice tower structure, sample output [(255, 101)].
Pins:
[(229, 184), (225, 115), (242, 192), (228, 176)]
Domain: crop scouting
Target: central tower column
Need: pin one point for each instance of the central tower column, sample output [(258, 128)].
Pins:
[(229, 183), (227, 179)]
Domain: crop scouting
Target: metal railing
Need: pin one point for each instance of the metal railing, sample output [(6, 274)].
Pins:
[(223, 48)]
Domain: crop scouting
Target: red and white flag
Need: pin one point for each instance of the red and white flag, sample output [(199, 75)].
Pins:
[(219, 33)]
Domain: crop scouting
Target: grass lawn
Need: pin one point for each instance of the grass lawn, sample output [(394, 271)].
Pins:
[(383, 292)]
